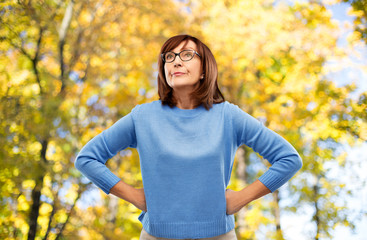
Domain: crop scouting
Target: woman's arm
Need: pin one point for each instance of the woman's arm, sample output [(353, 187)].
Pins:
[(283, 157), (238, 199), (93, 156), (130, 194)]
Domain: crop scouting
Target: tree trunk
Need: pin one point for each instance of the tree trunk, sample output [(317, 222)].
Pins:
[(61, 230), (62, 37), (317, 211), (33, 216), (36, 195), (51, 217), (276, 211)]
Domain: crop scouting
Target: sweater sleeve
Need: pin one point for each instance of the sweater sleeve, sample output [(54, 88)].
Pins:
[(275, 149), (93, 156)]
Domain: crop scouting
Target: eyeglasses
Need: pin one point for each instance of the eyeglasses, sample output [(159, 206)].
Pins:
[(185, 55)]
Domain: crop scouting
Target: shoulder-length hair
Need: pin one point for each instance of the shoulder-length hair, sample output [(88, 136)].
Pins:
[(207, 91)]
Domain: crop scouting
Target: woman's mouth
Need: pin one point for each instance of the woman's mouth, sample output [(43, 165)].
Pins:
[(178, 74)]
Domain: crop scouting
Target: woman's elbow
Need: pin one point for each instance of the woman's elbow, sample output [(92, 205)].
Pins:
[(298, 163), (79, 163)]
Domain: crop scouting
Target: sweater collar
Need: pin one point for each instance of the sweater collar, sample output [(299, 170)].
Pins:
[(185, 112)]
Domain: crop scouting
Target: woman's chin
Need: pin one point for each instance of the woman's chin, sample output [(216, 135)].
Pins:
[(177, 84)]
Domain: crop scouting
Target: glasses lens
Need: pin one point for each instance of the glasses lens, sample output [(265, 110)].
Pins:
[(186, 55), (169, 57)]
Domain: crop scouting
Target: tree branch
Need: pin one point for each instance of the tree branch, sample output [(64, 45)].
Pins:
[(79, 39), (51, 217), (59, 235), (62, 34), (36, 59), (20, 48)]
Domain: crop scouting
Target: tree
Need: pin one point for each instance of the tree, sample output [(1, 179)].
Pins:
[(71, 69), (271, 62), (57, 92), (360, 12)]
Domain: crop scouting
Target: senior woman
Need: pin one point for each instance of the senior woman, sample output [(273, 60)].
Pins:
[(186, 142)]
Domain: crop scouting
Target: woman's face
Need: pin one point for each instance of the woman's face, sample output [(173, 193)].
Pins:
[(183, 74)]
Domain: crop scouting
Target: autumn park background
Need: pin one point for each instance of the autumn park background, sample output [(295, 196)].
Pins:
[(70, 69)]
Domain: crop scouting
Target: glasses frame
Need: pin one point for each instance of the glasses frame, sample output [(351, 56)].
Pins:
[(178, 54)]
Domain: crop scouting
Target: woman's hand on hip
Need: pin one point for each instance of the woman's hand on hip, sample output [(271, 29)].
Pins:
[(130, 194), (233, 200), (238, 199), (139, 199)]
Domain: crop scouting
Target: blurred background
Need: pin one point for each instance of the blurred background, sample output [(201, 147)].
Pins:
[(70, 69)]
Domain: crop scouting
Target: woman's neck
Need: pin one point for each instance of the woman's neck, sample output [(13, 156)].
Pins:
[(184, 101)]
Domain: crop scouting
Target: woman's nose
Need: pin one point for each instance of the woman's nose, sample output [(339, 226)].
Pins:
[(177, 61)]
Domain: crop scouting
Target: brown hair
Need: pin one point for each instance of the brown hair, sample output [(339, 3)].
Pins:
[(207, 92)]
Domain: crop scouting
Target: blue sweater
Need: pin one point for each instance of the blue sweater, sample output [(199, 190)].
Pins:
[(186, 159)]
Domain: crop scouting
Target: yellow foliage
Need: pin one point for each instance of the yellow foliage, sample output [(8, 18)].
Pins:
[(16, 172), (23, 204), (31, 90), (57, 167), (34, 148), (84, 18), (270, 61), (61, 217), (72, 193), (96, 61), (353, 12), (29, 183), (45, 209), (354, 37), (20, 77)]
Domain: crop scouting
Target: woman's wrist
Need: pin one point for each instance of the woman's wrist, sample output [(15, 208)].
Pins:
[(124, 191), (252, 192), (130, 194)]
